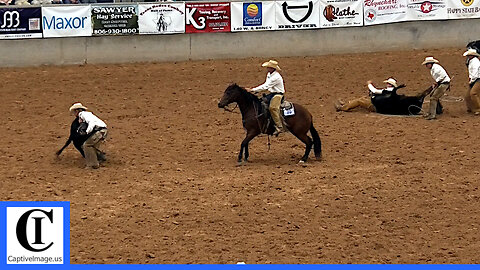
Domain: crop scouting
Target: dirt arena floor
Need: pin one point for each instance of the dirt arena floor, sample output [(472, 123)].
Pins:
[(388, 190)]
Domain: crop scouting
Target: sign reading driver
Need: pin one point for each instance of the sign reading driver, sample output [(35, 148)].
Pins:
[(297, 14)]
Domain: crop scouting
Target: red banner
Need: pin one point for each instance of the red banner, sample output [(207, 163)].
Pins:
[(207, 17)]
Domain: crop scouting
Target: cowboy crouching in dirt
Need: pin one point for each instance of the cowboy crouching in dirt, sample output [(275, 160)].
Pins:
[(96, 131)]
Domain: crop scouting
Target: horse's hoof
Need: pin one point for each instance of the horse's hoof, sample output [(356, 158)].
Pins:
[(239, 163), (302, 163)]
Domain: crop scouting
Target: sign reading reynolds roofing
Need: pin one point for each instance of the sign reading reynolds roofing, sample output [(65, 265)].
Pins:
[(71, 21), (207, 17), (20, 23), (164, 18), (426, 10), (253, 16), (384, 11), (463, 9), (115, 20), (341, 13), (297, 14)]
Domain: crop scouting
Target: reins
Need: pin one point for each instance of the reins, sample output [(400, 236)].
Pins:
[(231, 110)]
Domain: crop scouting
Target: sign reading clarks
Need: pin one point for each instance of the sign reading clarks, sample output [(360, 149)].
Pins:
[(341, 13)]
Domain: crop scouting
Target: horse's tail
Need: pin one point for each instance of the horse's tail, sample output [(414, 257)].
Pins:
[(317, 143)]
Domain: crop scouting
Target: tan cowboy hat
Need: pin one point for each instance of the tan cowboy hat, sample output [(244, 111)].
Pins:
[(76, 106), (272, 64), (430, 60), (471, 52), (391, 81)]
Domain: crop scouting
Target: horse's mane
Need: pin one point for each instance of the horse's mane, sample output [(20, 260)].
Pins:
[(248, 95)]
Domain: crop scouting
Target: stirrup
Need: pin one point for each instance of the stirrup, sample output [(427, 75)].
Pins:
[(277, 131)]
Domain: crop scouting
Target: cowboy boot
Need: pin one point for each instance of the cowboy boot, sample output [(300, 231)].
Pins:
[(432, 110)]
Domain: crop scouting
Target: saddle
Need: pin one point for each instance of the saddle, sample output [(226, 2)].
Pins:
[(286, 109)]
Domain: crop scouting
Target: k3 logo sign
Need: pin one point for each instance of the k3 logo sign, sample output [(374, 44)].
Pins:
[(297, 14), (11, 19), (191, 17), (37, 234), (207, 17)]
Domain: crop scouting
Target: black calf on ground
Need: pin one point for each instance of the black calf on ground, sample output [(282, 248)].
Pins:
[(76, 136), (393, 103)]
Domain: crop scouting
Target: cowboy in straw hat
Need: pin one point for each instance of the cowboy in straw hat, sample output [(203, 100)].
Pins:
[(97, 132), (273, 84), (366, 101), (441, 85), (472, 99)]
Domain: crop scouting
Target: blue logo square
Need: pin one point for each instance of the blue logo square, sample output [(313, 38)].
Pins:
[(252, 14)]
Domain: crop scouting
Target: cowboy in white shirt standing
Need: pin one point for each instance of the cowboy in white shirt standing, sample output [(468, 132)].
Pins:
[(472, 98), (366, 101), (441, 85), (97, 132), (273, 84)]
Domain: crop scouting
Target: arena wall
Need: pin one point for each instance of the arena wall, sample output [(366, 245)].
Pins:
[(151, 48)]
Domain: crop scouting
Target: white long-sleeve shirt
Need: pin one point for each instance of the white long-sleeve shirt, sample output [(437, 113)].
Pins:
[(439, 74), (273, 83), (474, 69), (378, 91), (91, 120)]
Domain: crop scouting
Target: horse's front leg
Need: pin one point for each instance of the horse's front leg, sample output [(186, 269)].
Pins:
[(244, 146), (240, 155)]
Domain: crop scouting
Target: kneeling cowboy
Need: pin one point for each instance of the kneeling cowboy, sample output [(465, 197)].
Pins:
[(274, 84), (97, 132), (441, 85)]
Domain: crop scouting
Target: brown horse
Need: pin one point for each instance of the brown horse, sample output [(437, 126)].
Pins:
[(254, 120)]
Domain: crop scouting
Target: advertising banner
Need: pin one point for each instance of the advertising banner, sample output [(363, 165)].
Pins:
[(341, 13), (20, 23), (69, 21), (426, 10), (463, 9), (207, 17), (114, 20), (164, 18), (253, 16), (297, 14), (384, 11)]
